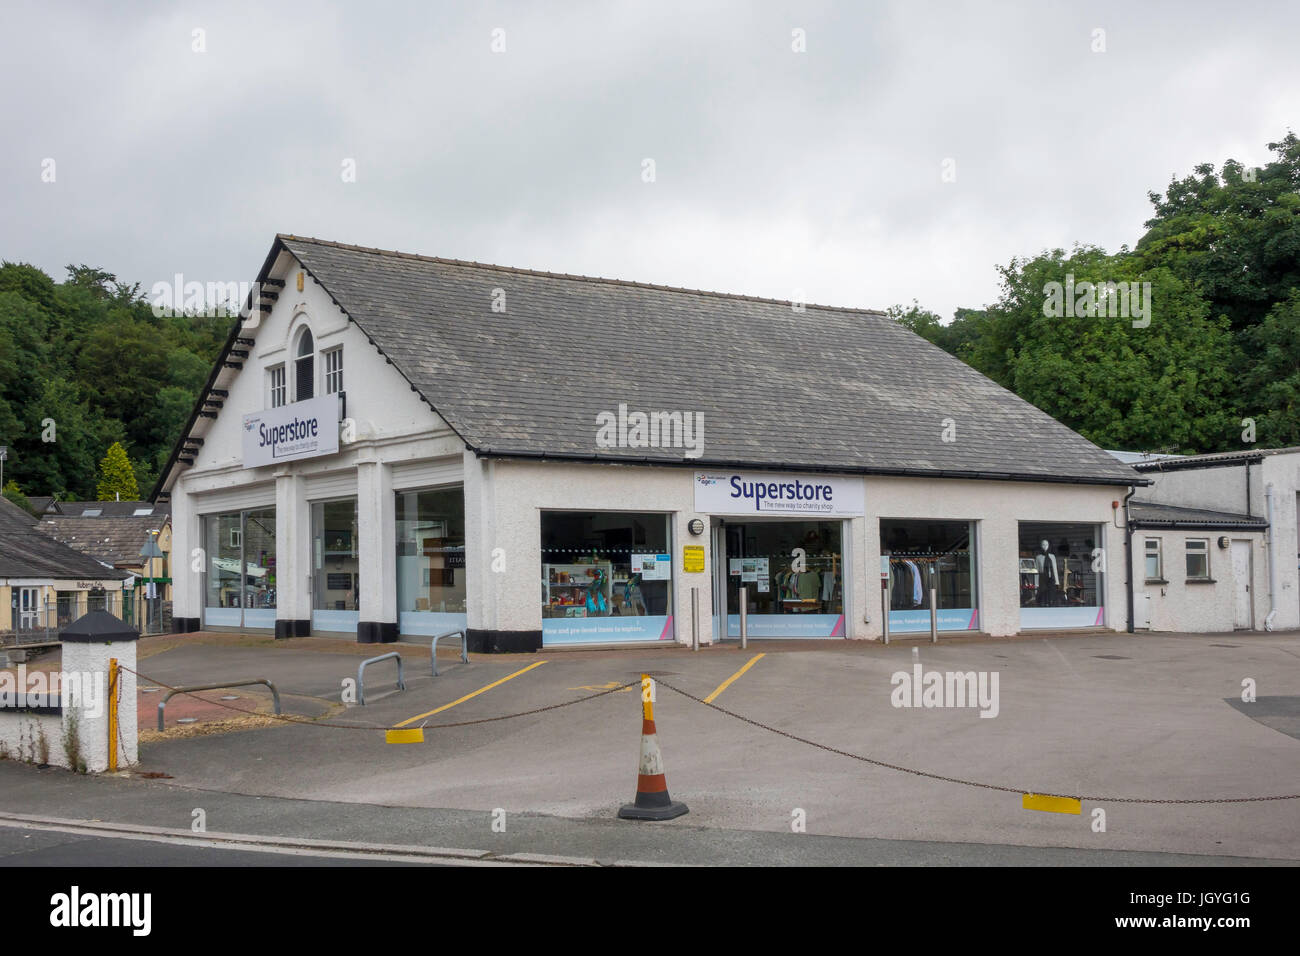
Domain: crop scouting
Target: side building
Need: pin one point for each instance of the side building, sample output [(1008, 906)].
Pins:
[(1216, 545), (45, 585), (392, 444)]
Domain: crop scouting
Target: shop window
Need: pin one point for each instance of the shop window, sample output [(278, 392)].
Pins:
[(333, 370), (304, 367), (240, 585), (1198, 559), (1061, 572), (925, 555), (275, 378), (1152, 556), (431, 561), (792, 573), (605, 577), (336, 568)]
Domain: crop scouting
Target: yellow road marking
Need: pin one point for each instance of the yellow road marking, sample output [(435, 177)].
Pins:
[(727, 683), (411, 735), (1039, 801), (481, 690), (609, 686)]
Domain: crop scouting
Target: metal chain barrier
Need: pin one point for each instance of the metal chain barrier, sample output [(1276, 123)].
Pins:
[(307, 721), (958, 780), (310, 722)]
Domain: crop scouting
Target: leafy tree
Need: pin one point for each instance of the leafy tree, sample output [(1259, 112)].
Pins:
[(14, 494), (1272, 386), (116, 476)]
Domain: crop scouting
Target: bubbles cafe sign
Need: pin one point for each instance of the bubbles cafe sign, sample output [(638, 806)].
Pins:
[(304, 429)]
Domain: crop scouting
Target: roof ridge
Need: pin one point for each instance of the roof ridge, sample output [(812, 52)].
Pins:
[(520, 270)]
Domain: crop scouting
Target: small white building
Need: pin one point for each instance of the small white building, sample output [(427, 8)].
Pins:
[(1215, 541), (396, 445)]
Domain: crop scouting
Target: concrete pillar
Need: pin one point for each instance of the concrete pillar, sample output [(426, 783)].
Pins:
[(292, 556), (377, 548), (187, 580)]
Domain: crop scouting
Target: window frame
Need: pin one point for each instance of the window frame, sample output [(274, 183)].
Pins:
[(298, 357), (1158, 554), (332, 376), (1203, 550), (282, 388)]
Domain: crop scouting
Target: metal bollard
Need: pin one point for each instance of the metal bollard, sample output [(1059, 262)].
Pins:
[(695, 619), (884, 613), (934, 616), (744, 618), (361, 673)]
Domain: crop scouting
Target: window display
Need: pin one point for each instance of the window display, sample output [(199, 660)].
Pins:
[(930, 554), (793, 573), (605, 577), (431, 561), (1061, 573)]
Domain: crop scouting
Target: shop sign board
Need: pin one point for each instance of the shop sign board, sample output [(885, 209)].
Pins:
[(304, 429), (756, 493)]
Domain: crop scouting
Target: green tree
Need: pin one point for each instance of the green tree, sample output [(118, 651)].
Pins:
[(116, 476), (1168, 383), (15, 494), (1272, 385)]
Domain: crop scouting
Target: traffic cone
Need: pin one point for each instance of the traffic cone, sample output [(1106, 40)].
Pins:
[(652, 800)]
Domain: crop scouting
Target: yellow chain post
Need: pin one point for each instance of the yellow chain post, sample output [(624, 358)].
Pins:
[(112, 714)]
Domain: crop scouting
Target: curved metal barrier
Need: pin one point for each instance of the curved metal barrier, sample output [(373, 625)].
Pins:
[(275, 694), (361, 673), (433, 649)]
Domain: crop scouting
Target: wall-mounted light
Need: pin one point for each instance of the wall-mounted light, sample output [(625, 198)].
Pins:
[(696, 526)]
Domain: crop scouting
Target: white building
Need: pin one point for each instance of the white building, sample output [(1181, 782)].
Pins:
[(400, 445), (1215, 541)]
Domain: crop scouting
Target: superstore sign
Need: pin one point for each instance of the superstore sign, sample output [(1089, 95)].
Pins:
[(290, 432), (748, 493)]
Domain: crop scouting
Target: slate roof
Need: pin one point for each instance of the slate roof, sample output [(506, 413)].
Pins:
[(114, 540), (1213, 459), (828, 389), (27, 553), (113, 509), (1149, 514)]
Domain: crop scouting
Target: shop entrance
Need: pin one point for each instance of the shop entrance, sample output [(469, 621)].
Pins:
[(793, 573)]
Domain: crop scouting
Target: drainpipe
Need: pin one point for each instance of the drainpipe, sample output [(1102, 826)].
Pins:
[(1272, 559), (1128, 554)]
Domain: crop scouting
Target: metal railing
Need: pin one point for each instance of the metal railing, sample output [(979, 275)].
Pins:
[(433, 649), (31, 625), (361, 673), (162, 704)]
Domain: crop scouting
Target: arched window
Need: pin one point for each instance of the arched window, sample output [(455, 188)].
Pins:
[(304, 367)]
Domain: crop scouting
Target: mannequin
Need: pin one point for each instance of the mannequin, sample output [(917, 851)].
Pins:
[(1049, 580)]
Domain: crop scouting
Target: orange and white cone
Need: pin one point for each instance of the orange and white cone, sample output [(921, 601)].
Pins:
[(652, 800)]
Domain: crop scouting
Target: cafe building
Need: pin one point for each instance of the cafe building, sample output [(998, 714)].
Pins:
[(395, 446)]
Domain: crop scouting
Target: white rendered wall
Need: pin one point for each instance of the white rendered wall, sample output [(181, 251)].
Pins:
[(997, 507), (504, 500), (1283, 473), (392, 426), (1193, 606)]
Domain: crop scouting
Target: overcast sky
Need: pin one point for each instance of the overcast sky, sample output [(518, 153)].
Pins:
[(776, 172)]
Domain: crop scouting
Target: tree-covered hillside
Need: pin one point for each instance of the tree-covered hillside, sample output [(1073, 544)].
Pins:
[(85, 363)]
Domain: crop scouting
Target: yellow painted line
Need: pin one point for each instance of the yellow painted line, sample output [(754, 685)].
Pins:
[(481, 690), (728, 682), (1038, 801), (411, 735)]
